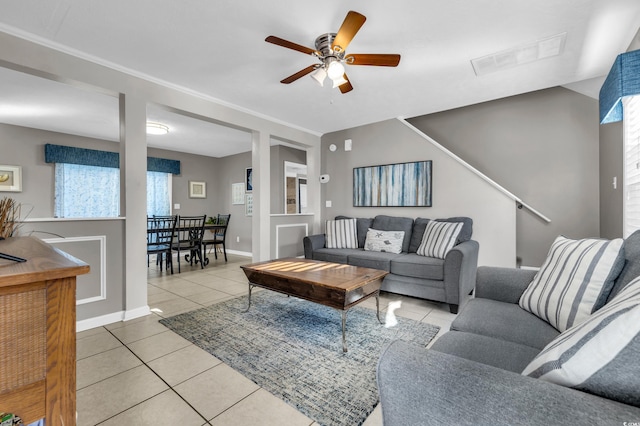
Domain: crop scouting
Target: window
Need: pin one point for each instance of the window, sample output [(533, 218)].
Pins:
[(631, 164), (93, 191)]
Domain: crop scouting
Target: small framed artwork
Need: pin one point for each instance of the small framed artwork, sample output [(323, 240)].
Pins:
[(248, 206), (11, 178), (249, 179), (237, 193), (197, 189)]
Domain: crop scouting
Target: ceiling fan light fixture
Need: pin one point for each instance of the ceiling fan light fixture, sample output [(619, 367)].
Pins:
[(156, 128), (335, 70), (339, 81), (319, 75)]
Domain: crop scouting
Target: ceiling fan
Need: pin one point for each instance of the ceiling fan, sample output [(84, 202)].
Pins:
[(331, 50)]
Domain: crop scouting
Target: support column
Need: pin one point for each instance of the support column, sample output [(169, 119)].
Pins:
[(133, 202), (314, 188), (261, 220)]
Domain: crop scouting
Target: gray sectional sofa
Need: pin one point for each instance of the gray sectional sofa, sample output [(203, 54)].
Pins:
[(472, 374), (449, 280)]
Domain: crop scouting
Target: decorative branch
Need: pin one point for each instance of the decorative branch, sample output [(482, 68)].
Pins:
[(9, 217)]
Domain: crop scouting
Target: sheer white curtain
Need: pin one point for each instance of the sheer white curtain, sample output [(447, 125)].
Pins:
[(86, 191), (92, 191)]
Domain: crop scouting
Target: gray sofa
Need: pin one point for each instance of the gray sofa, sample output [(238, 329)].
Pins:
[(450, 280), (471, 374)]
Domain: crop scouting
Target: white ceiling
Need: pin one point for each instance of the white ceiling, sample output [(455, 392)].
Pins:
[(217, 49)]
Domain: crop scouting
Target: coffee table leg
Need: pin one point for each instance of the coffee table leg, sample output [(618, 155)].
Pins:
[(344, 330), (378, 306), (249, 305)]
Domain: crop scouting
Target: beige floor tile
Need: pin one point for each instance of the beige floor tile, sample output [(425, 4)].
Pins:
[(261, 408), (186, 288), (104, 365), (95, 344), (116, 394), (375, 418), (219, 282), (208, 297), (131, 332), (183, 364), (158, 345), (405, 313), (173, 306), (215, 390), (89, 333), (166, 408)]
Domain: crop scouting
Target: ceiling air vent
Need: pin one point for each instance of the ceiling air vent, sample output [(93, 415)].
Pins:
[(523, 54)]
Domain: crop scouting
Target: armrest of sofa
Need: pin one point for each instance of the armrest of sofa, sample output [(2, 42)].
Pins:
[(423, 387), (502, 284), (460, 265), (311, 243)]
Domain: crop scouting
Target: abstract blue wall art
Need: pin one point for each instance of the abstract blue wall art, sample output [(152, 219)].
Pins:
[(393, 185)]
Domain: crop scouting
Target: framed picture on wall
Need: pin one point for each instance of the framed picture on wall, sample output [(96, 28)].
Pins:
[(393, 185), (11, 178), (197, 189), (249, 179)]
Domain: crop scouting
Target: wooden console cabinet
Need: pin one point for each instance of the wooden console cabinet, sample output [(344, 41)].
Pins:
[(38, 332)]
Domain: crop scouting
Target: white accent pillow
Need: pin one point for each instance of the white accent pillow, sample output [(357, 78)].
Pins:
[(574, 280), (341, 233), (439, 238), (599, 355), (386, 241)]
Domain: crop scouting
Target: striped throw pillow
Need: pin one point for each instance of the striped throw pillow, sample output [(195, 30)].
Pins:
[(600, 355), (439, 238), (574, 280), (341, 233)]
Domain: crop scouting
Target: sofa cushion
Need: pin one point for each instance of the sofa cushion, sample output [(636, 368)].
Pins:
[(506, 321), (334, 255), (600, 355), (439, 238), (384, 241), (416, 266), (372, 259), (631, 268), (420, 224), (394, 223), (574, 280), (362, 225), (341, 234), (487, 350)]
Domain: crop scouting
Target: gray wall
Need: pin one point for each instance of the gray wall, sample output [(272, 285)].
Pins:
[(543, 147), (611, 165), (456, 190)]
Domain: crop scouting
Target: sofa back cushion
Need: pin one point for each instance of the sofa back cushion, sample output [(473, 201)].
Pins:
[(420, 224), (362, 226), (574, 280), (631, 268), (600, 355), (395, 223)]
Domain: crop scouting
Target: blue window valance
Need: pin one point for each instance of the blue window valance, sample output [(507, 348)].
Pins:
[(93, 157), (623, 80)]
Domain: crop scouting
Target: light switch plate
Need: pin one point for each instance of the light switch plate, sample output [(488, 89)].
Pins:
[(176, 206), (347, 144), (327, 203)]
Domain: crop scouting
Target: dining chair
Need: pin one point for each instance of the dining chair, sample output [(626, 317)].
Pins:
[(219, 237), (189, 234), (160, 234)]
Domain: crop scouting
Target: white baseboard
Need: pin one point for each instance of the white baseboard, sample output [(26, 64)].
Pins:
[(136, 313), (240, 253), (99, 321)]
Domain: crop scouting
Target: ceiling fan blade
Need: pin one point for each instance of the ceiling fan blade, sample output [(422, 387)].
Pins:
[(348, 30), (345, 87), (381, 60), (299, 74), (289, 45)]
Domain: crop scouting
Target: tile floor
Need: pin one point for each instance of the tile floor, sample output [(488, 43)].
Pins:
[(140, 373)]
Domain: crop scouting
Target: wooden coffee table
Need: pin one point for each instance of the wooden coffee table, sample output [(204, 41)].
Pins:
[(331, 284)]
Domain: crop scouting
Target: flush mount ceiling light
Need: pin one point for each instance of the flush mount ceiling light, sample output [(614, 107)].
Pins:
[(523, 54), (156, 128)]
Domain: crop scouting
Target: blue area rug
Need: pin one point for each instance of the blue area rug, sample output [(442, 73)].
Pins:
[(293, 349)]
